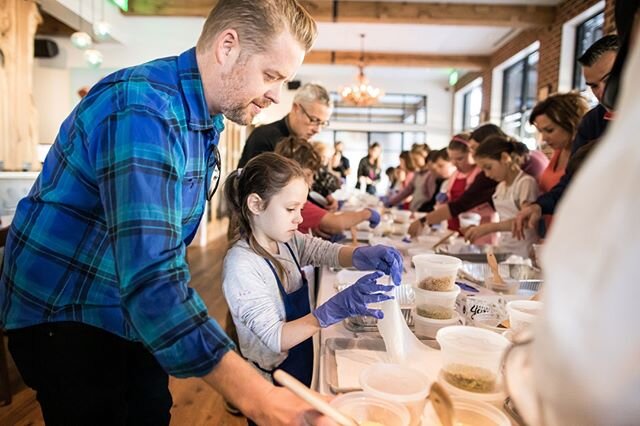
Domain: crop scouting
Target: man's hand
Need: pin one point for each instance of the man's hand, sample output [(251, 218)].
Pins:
[(527, 219), (285, 409)]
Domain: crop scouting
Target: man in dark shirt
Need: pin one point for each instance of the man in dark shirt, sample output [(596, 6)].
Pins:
[(308, 116), (596, 63)]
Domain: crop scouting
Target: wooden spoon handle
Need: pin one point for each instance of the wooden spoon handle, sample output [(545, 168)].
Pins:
[(311, 398), (493, 264)]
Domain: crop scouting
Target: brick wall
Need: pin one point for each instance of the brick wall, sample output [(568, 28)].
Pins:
[(550, 38)]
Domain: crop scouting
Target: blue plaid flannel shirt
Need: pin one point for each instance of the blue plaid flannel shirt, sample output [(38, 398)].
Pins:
[(101, 238)]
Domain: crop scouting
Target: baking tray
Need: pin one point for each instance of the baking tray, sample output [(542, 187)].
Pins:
[(362, 324), (529, 278), (472, 252), (333, 344)]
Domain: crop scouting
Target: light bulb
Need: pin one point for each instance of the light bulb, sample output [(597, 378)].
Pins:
[(102, 30), (81, 40), (93, 57)]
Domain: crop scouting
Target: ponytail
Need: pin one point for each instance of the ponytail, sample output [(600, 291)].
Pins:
[(494, 146)]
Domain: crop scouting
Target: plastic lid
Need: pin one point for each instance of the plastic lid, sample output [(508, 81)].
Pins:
[(354, 404), (395, 382), (439, 259), (476, 413), (471, 339), (429, 294)]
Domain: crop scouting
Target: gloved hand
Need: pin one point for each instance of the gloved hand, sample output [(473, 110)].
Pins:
[(441, 198), (353, 301), (379, 258), (374, 219), (385, 201)]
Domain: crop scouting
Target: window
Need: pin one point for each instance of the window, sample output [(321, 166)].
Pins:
[(391, 108), (471, 107), (587, 33), (519, 94)]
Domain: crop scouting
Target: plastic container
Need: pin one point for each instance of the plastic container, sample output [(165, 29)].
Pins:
[(436, 304), (469, 219), (364, 407), (471, 357), (510, 286), (399, 384), (523, 313), (470, 412), (489, 321), (427, 327), (401, 216), (436, 272)]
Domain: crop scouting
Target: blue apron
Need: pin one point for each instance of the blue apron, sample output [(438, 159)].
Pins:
[(299, 363)]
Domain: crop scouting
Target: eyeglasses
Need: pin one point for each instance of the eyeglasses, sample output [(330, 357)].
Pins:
[(214, 166), (314, 120)]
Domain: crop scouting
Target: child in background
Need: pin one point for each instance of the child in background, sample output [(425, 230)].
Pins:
[(263, 283), (496, 156)]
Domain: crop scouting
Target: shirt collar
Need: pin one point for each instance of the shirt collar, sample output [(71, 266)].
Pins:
[(198, 116)]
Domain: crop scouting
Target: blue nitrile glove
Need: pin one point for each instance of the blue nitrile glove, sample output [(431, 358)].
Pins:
[(441, 198), (353, 301), (379, 258), (374, 220), (385, 201)]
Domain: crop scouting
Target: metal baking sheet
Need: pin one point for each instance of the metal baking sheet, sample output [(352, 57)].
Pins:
[(362, 324), (331, 345)]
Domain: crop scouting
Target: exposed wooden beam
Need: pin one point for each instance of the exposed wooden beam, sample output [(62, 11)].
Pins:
[(506, 15), (397, 59)]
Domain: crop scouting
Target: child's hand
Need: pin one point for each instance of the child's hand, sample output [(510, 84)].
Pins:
[(379, 258), (353, 301), (472, 233)]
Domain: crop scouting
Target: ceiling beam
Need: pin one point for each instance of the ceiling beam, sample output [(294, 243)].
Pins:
[(325, 57), (504, 15)]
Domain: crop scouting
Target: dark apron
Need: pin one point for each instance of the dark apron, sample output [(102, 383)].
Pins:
[(299, 363)]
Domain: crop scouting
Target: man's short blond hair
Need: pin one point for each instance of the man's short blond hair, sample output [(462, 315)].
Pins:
[(258, 22)]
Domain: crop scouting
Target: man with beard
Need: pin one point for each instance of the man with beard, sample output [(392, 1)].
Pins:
[(596, 62), (94, 292), (309, 114)]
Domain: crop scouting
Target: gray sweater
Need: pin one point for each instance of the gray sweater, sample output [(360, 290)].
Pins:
[(252, 294)]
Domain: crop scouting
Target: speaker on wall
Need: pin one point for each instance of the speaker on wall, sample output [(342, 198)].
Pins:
[(45, 48)]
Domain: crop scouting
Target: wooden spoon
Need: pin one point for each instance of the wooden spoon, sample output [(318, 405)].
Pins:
[(445, 238), (312, 398), (493, 264), (442, 404)]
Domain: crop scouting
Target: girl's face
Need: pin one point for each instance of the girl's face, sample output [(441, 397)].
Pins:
[(494, 169), (374, 153), (443, 168), (554, 135), (418, 160), (463, 161), (403, 164), (281, 217)]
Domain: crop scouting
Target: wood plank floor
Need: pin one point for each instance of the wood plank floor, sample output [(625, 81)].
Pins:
[(194, 402)]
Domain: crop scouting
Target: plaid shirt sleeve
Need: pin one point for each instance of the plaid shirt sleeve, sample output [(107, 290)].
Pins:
[(139, 163)]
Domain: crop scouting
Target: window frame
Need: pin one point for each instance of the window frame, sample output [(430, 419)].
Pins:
[(579, 48)]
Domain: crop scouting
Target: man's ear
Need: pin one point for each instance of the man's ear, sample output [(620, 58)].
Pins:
[(227, 47), (255, 204)]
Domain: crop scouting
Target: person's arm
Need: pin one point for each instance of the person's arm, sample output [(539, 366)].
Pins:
[(336, 222), (141, 158), (472, 233), (479, 192), (400, 196), (261, 401)]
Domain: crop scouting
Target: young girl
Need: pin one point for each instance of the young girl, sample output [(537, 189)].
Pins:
[(496, 157), (263, 284)]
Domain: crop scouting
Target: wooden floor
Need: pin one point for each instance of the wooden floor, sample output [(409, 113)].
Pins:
[(194, 402)]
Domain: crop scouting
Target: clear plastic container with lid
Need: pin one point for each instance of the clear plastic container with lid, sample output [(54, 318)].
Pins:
[(400, 384), (522, 314), (368, 409), (428, 327), (436, 304), (436, 272), (471, 357)]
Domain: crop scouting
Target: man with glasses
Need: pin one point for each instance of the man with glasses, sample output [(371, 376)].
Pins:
[(94, 292), (308, 116)]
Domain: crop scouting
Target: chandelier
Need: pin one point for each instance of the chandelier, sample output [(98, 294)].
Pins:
[(360, 93)]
